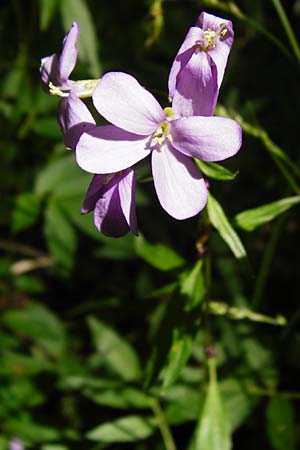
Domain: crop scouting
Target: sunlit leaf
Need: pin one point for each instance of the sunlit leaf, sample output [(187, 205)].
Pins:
[(158, 255), (213, 429), (126, 429), (215, 171), (253, 218), (222, 224)]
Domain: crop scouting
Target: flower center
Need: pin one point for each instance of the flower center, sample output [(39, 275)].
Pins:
[(83, 88), (211, 37), (163, 131)]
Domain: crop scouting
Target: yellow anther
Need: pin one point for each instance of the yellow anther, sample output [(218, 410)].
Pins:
[(54, 90)]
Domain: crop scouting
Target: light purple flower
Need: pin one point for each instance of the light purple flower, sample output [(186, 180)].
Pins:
[(55, 70), (197, 71), (16, 444), (140, 127), (110, 196)]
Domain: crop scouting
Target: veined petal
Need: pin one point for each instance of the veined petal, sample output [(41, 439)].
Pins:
[(179, 185), (108, 214), (127, 198), (95, 189), (107, 149), (207, 138), (184, 54), (74, 119), (196, 90), (209, 21), (68, 57), (125, 103), (219, 56)]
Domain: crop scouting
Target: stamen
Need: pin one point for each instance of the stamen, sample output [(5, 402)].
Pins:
[(54, 90)]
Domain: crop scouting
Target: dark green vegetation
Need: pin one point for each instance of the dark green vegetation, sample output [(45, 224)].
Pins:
[(103, 342)]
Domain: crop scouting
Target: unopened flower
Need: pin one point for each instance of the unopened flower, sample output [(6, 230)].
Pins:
[(141, 127), (197, 71), (110, 196), (56, 69)]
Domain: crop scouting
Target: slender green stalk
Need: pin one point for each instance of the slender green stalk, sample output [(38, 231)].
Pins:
[(162, 425), (288, 29), (266, 261)]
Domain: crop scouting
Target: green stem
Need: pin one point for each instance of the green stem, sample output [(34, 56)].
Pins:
[(288, 29), (162, 425), (266, 262)]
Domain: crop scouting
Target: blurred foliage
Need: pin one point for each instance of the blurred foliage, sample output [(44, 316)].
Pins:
[(165, 341)]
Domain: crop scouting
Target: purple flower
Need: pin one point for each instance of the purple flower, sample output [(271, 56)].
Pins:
[(110, 196), (55, 70), (16, 444), (141, 127), (197, 71)]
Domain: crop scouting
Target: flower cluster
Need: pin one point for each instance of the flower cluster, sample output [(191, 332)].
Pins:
[(138, 127)]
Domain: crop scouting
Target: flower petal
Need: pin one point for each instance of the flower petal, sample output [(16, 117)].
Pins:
[(179, 185), (49, 70), (95, 189), (127, 198), (74, 119), (68, 57), (196, 90), (219, 53), (184, 54), (207, 138), (108, 149), (108, 214), (124, 102)]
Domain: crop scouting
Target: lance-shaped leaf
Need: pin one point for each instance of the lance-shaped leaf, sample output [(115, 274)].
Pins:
[(215, 171), (213, 429), (125, 429), (255, 217), (222, 224)]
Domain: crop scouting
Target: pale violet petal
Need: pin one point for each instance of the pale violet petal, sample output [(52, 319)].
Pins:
[(108, 149), (183, 56), (179, 185), (127, 198), (95, 189), (196, 90), (68, 57), (121, 100), (108, 214), (207, 138)]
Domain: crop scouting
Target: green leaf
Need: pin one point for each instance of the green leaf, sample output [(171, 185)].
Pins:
[(47, 10), (126, 429), (213, 429), (253, 218), (192, 285), (60, 235), (47, 127), (119, 398), (183, 404), (215, 171), (88, 42), (280, 423), (116, 351), (40, 324), (26, 211), (158, 255), (63, 178), (30, 431), (237, 402), (222, 224)]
